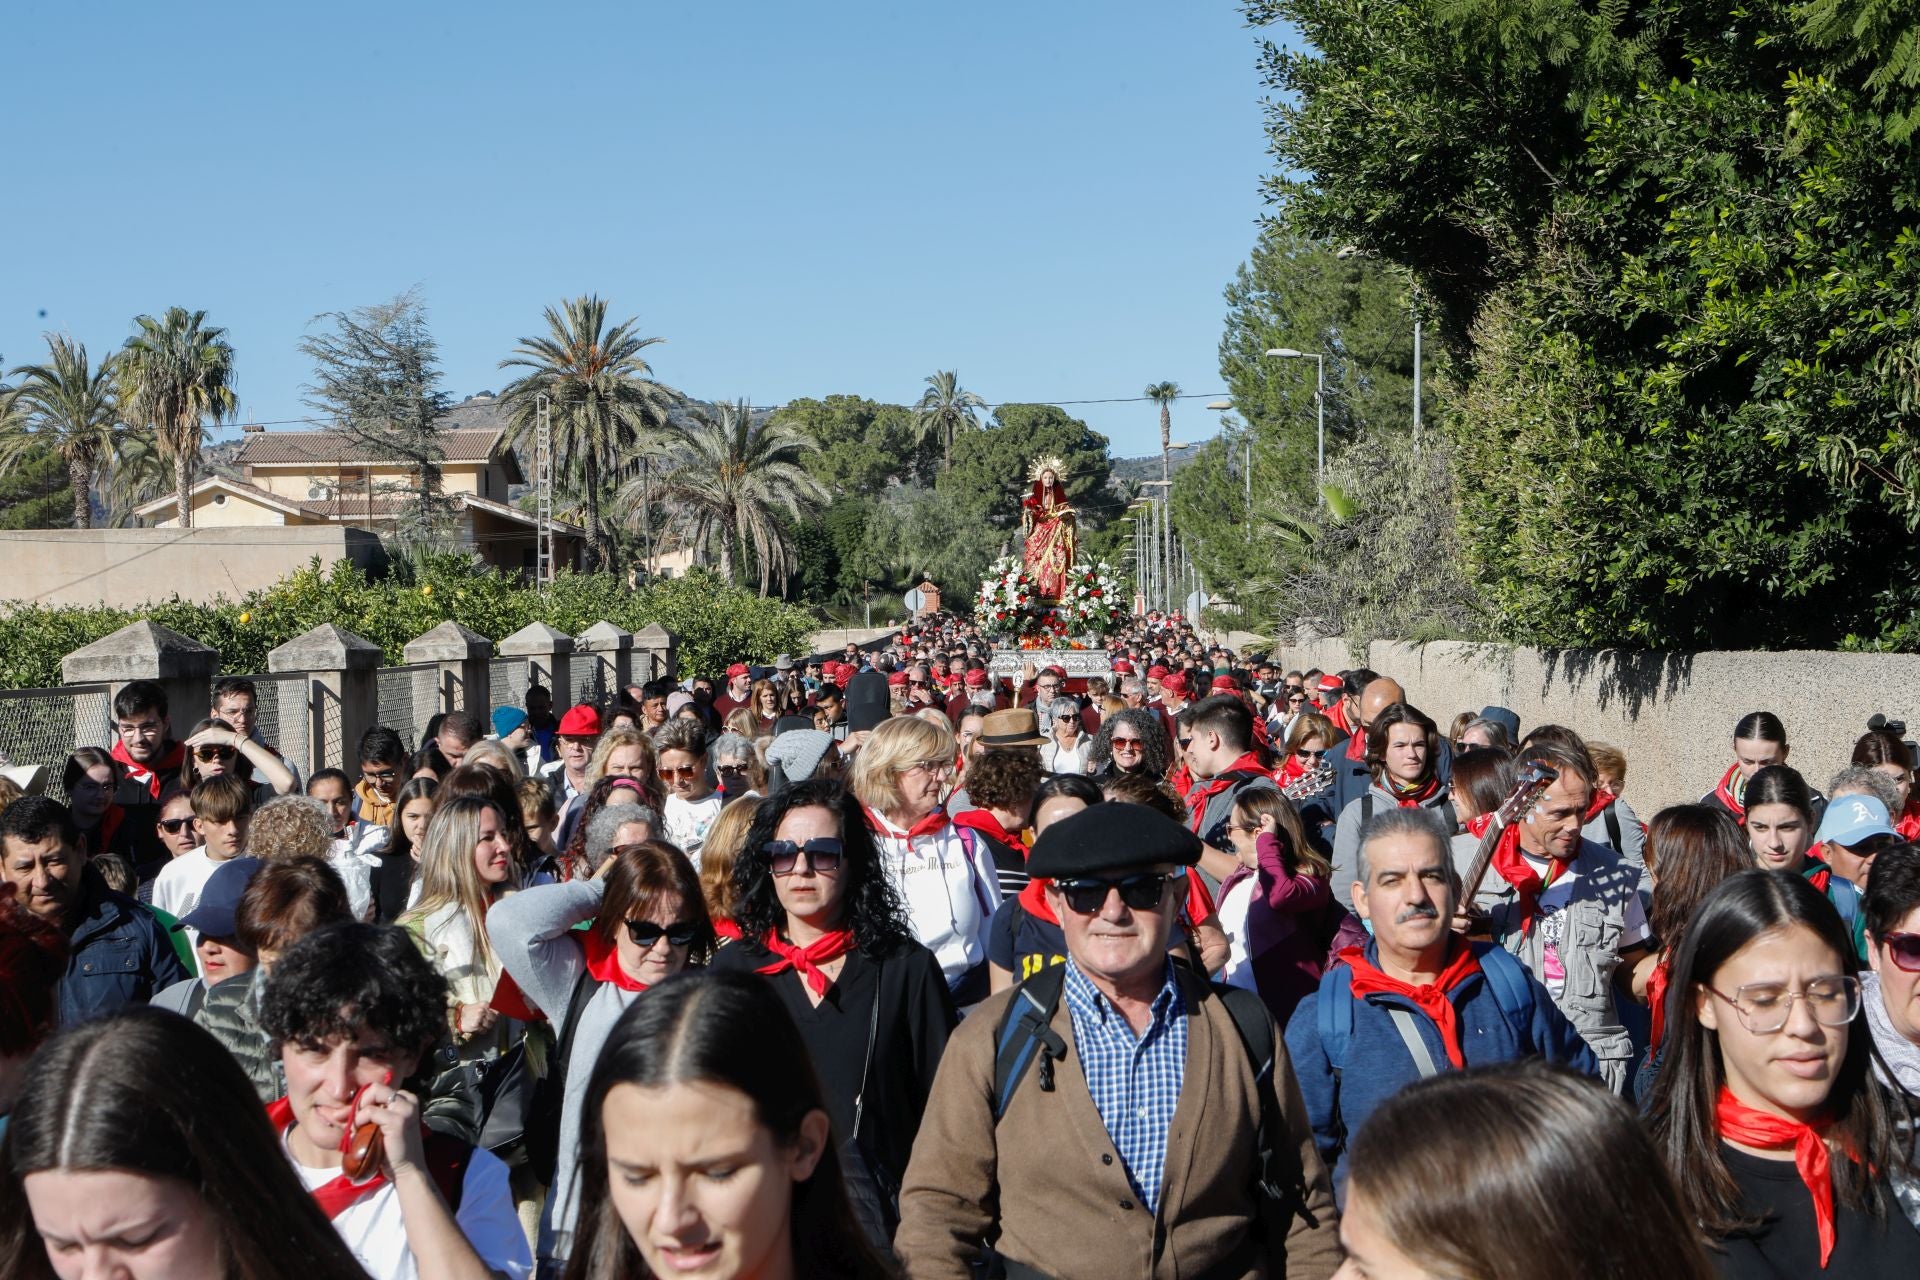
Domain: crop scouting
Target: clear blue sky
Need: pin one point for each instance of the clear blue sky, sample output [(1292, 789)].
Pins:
[(801, 198)]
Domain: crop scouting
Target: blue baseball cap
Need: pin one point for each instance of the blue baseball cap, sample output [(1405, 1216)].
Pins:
[(1850, 820), (219, 901), (507, 719)]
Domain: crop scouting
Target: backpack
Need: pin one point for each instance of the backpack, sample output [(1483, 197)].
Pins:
[(1444, 808), (1026, 1031), (1506, 978)]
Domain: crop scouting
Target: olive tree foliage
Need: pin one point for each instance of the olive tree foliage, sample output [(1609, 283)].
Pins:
[(1673, 249)]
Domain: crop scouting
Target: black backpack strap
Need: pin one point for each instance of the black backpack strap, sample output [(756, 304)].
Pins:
[(1612, 816), (1025, 1032), (1366, 807), (1281, 1180), (543, 1119)]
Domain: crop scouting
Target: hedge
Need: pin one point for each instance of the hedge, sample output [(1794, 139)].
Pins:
[(716, 623)]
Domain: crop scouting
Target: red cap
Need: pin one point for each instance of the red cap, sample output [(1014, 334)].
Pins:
[(1175, 683), (1157, 672), (975, 679), (1123, 668), (580, 722), (1331, 684), (1224, 684), (737, 669), (897, 680)]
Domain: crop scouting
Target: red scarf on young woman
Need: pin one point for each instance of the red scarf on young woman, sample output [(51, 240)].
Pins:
[(1432, 998), (1657, 1000), (342, 1191), (1724, 794), (807, 960), (1907, 825), (1749, 1127), (1515, 870)]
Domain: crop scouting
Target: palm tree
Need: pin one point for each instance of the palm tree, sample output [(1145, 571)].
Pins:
[(945, 408), (174, 373), (601, 396), (135, 475), (67, 407), (1164, 394), (735, 478)]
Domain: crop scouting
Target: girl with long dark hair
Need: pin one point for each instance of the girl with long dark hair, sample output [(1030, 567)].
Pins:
[(1781, 822), (821, 921), (138, 1139), (710, 1074), (1783, 1143)]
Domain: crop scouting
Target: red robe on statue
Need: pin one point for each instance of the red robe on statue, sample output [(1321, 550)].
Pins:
[(1049, 524)]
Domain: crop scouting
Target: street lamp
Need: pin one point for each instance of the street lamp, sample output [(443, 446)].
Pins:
[(1319, 409)]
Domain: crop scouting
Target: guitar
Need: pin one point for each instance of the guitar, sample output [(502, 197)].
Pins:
[(1309, 784), (1533, 780)]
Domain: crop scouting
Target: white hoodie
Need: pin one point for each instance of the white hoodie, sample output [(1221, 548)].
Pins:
[(949, 894)]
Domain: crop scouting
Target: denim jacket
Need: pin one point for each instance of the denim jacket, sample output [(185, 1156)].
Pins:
[(119, 954)]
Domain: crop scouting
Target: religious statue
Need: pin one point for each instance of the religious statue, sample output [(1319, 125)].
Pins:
[(1048, 525)]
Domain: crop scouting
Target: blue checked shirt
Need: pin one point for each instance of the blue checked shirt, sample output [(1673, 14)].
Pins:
[(1135, 1083)]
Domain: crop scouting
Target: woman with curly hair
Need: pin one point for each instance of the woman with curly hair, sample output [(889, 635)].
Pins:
[(821, 920), (1130, 740)]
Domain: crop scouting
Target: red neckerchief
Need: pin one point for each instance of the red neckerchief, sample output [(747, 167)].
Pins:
[(1290, 770), (1200, 792), (1657, 1000), (1724, 794), (1431, 998), (1033, 901), (1356, 746), (603, 962), (1817, 873), (1338, 714), (335, 1196), (935, 821), (1516, 871), (169, 765), (509, 1001), (1749, 1127), (725, 928), (983, 821), (1416, 798), (1181, 780), (807, 960), (1908, 823), (1601, 799)]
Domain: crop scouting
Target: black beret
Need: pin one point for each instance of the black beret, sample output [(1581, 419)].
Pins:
[(1111, 837)]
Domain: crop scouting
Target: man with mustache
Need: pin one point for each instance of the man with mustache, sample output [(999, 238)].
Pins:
[(1418, 999)]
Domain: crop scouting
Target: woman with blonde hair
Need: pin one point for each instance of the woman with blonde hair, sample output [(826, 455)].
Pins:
[(623, 753), (492, 754), (466, 865), (725, 838), (943, 873)]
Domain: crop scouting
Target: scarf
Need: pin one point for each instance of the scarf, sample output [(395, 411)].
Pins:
[(335, 1196), (986, 824), (1414, 797), (1740, 1123), (933, 822), (603, 962), (1357, 747), (1337, 712), (1033, 901), (1816, 873), (1516, 871), (1290, 770), (1200, 792), (1657, 999), (1908, 823), (1724, 793), (1601, 799), (808, 959), (372, 808), (1432, 998), (151, 778), (725, 928)]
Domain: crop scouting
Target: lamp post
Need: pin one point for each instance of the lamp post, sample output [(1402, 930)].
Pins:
[(1162, 537), (1319, 409)]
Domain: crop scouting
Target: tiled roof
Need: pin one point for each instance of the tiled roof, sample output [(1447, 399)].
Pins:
[(164, 504), (271, 448)]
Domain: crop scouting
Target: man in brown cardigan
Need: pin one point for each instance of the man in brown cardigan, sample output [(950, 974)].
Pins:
[(1134, 1154)]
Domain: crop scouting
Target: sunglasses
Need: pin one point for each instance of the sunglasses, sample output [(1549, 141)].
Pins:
[(645, 933), (1186, 740), (1304, 754), (174, 826), (1128, 744), (823, 855), (213, 753), (680, 773), (1140, 892), (1904, 948), (730, 769)]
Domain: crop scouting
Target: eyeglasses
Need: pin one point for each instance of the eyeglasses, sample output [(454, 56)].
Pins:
[(823, 855), (680, 773), (645, 933), (174, 826), (379, 775), (211, 752), (1140, 892), (1904, 948), (929, 766), (1764, 1007)]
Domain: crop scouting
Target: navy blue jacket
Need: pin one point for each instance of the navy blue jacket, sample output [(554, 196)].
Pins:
[(1378, 1064), (119, 955)]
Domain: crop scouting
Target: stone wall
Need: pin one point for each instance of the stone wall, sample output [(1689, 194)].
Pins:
[(1673, 713), (129, 567)]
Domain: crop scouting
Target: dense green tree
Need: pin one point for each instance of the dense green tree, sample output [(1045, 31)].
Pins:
[(735, 474), (376, 373), (176, 375), (864, 444), (35, 492), (603, 404), (69, 406), (944, 411)]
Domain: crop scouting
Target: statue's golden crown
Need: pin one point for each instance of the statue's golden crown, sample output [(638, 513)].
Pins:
[(1051, 463)]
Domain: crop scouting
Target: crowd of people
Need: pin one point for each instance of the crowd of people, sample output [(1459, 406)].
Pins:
[(887, 963)]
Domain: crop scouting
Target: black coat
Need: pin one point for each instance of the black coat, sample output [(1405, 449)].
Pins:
[(916, 1016)]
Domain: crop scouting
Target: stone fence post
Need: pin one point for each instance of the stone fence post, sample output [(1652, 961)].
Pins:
[(661, 649), (182, 666), (609, 651), (343, 691), (460, 684), (549, 655)]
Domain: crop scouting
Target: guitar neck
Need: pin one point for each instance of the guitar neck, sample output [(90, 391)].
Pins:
[(1482, 860)]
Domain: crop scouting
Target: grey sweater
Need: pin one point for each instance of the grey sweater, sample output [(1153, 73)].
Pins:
[(530, 931), (1901, 1055)]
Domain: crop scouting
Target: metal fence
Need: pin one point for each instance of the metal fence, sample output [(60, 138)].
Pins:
[(43, 726), (507, 680), (589, 681), (409, 697), (283, 703)]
